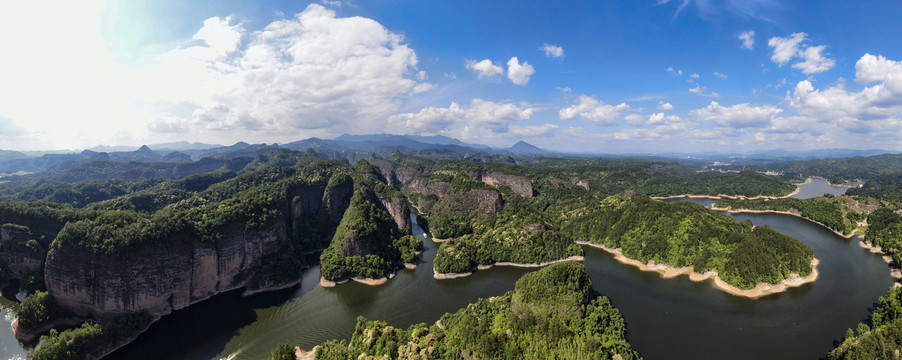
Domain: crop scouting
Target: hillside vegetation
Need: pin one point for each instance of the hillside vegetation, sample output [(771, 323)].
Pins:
[(552, 313), (841, 213), (687, 234)]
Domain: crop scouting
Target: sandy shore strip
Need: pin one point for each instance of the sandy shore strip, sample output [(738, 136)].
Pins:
[(725, 196), (667, 272), (750, 211), (329, 283), (300, 354), (444, 276), (894, 272)]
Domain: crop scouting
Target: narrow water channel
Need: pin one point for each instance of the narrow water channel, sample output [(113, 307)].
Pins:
[(667, 318)]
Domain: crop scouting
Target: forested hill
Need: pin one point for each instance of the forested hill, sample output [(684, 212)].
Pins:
[(879, 337), (553, 313), (843, 214), (687, 234), (839, 170)]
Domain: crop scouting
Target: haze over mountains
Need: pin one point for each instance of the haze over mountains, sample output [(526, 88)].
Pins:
[(353, 146)]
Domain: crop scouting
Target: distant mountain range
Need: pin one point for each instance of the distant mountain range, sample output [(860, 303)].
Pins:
[(362, 146), (344, 146)]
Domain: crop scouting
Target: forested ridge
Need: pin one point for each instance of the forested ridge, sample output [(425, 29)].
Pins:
[(880, 337), (553, 313), (687, 234), (197, 209), (841, 213), (838, 170)]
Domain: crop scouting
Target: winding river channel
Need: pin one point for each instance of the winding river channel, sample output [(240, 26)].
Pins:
[(667, 318)]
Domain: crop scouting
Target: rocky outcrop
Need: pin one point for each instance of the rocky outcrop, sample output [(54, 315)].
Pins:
[(160, 278), (182, 271), (427, 186), (405, 174), (580, 182), (9, 233), (519, 184), (17, 265), (486, 201), (399, 211)]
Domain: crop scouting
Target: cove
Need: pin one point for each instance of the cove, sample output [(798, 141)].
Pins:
[(817, 187)]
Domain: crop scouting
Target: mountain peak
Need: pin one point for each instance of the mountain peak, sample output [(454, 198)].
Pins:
[(144, 148), (522, 147)]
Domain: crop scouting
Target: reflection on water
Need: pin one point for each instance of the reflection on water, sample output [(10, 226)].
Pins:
[(818, 187), (667, 318)]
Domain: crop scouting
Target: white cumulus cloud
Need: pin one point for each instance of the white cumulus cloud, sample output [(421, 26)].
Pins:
[(665, 106), (519, 73), (737, 116), (312, 74), (591, 109), (877, 107), (481, 120), (813, 59), (486, 69), (551, 50), (748, 39), (660, 118), (531, 131)]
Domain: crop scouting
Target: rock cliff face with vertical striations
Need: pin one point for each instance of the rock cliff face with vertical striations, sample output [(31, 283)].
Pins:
[(519, 184), (399, 211), (165, 277)]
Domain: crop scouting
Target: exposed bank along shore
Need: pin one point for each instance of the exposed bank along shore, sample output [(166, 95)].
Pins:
[(445, 276), (894, 272), (798, 215), (329, 283), (725, 196), (667, 272)]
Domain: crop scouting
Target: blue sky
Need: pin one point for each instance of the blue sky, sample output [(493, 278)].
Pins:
[(605, 76)]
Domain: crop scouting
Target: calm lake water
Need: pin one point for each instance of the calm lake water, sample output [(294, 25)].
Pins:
[(667, 318), (818, 187)]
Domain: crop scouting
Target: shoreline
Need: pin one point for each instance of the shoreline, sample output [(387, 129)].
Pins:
[(26, 335), (829, 183), (667, 272), (894, 272), (445, 276), (750, 211), (363, 280), (725, 196)]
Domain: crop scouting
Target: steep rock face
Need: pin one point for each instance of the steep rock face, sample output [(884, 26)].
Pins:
[(428, 186), (405, 174), (337, 199), (519, 184), (486, 201), (580, 182), (7, 234), (17, 265), (399, 211), (160, 278), (171, 276), (387, 171)]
